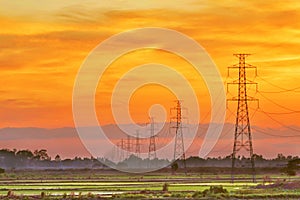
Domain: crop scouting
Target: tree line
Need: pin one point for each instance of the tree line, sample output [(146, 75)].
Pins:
[(40, 159)]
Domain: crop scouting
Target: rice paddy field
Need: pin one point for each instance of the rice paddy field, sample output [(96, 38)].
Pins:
[(100, 184)]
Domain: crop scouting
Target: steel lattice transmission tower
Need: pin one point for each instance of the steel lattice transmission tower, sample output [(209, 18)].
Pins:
[(242, 133), (121, 146), (137, 144), (128, 146), (152, 145), (179, 151)]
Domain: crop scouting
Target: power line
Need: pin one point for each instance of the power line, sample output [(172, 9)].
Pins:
[(279, 113), (222, 149), (279, 87), (219, 94), (228, 131), (263, 132), (277, 103), (278, 121), (270, 134), (225, 134), (282, 91)]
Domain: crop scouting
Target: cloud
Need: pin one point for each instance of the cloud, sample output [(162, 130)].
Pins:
[(43, 45)]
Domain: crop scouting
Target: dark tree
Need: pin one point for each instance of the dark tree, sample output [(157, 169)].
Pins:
[(174, 167), (292, 167), (41, 155), (57, 158), (25, 154)]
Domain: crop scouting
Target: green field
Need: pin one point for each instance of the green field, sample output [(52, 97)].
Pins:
[(89, 184)]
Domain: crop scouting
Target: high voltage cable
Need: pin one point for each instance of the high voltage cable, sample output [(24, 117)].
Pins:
[(279, 113), (260, 131), (259, 110), (227, 118), (277, 92), (278, 121), (224, 134), (219, 150), (270, 134), (228, 131), (213, 104), (232, 128), (282, 89), (277, 103), (219, 93), (224, 147)]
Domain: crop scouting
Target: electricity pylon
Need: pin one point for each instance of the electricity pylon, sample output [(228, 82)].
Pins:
[(137, 144), (152, 145), (179, 151), (242, 132), (128, 146), (120, 152)]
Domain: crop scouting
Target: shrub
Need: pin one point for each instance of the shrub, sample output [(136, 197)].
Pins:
[(290, 172), (197, 194), (10, 193), (167, 195), (176, 194), (189, 195), (43, 195), (214, 190), (131, 196), (165, 187), (90, 195)]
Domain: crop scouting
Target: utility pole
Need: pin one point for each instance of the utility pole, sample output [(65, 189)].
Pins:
[(242, 132), (179, 152)]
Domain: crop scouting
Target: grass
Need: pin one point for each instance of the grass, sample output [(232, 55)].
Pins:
[(136, 186)]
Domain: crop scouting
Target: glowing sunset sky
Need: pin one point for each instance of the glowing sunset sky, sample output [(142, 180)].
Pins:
[(43, 44)]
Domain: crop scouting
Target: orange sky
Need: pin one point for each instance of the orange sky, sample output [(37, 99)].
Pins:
[(43, 44)]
